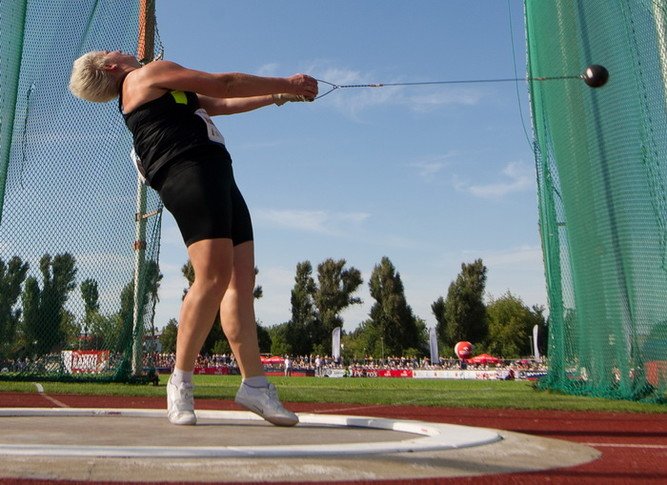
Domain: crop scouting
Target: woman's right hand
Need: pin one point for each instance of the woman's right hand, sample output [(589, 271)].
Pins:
[(303, 85)]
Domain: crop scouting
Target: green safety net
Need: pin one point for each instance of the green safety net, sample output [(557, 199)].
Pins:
[(77, 294), (601, 157)]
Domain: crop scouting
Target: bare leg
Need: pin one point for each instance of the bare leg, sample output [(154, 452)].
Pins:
[(237, 312), (212, 261), (238, 322)]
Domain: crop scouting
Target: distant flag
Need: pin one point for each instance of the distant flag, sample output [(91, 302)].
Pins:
[(433, 344), (536, 350), (335, 343)]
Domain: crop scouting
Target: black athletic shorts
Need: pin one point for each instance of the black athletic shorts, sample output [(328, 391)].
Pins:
[(200, 192)]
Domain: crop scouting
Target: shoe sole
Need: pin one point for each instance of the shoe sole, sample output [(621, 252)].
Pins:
[(183, 422), (275, 420)]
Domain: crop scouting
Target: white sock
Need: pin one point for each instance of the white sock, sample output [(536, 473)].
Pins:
[(257, 381), (180, 376)]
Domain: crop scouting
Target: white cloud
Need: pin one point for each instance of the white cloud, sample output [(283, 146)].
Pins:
[(320, 222), (338, 75), (517, 176), (428, 167), (531, 255), (270, 69)]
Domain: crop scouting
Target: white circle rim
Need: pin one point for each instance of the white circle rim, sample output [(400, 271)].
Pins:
[(430, 436)]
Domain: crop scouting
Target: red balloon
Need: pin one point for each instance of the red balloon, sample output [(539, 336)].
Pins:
[(463, 350)]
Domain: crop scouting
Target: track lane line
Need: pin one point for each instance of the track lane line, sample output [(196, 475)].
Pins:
[(40, 391), (626, 445)]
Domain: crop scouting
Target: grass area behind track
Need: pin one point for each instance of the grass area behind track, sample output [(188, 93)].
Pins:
[(368, 391)]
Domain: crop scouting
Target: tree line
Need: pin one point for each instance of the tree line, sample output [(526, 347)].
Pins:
[(502, 326), (34, 320)]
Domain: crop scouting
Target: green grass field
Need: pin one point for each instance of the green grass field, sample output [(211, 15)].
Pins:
[(381, 391)]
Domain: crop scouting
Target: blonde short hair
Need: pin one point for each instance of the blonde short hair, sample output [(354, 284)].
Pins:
[(89, 79)]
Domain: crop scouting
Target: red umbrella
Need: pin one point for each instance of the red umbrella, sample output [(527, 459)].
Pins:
[(484, 359), (276, 359)]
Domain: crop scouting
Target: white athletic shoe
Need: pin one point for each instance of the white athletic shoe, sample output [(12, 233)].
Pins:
[(264, 402), (181, 403)]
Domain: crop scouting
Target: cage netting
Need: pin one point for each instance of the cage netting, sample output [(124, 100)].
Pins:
[(68, 202), (601, 156)]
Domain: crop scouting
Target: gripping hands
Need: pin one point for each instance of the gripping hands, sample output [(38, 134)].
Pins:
[(282, 98), (303, 85), (302, 88)]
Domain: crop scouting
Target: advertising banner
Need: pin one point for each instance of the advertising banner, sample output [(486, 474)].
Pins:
[(216, 371), (453, 374), (85, 361)]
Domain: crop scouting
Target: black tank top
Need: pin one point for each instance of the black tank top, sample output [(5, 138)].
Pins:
[(166, 127)]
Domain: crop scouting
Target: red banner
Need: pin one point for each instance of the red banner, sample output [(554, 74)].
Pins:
[(217, 371), (85, 361), (656, 372), (295, 373)]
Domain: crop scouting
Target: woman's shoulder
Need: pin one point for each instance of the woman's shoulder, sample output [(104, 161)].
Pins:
[(160, 73), (137, 90)]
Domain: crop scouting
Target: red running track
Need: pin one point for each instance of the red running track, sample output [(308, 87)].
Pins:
[(633, 446)]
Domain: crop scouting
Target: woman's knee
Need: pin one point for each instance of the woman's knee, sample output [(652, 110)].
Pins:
[(211, 287), (212, 261)]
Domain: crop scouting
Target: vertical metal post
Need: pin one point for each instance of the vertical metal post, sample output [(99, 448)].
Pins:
[(660, 22), (145, 47)]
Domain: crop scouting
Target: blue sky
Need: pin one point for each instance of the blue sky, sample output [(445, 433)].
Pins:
[(429, 176)]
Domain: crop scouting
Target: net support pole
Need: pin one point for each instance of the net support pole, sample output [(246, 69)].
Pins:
[(145, 47), (660, 22)]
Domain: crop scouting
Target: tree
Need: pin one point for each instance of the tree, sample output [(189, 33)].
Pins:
[(510, 325), (302, 331), (334, 294), (45, 322), (58, 281), (220, 347), (423, 335), (364, 341), (462, 316), (104, 331), (390, 314), (148, 294), (188, 272), (168, 336), (263, 339), (69, 329), (438, 309), (125, 320), (91, 297), (279, 343), (30, 325), (12, 276)]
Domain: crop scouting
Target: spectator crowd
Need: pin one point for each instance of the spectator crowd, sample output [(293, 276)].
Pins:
[(318, 365)]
